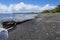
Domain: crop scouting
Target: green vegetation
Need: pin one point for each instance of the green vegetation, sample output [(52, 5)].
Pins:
[(56, 10)]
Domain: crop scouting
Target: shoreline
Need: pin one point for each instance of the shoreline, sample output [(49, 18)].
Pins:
[(37, 29)]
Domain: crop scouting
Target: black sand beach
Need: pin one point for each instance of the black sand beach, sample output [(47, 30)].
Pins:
[(44, 27)]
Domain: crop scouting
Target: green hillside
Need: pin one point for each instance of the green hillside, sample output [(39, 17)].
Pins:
[(56, 10)]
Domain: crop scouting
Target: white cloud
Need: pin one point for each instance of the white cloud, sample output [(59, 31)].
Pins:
[(48, 7), (22, 7)]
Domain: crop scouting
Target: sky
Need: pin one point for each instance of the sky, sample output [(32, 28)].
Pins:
[(9, 6)]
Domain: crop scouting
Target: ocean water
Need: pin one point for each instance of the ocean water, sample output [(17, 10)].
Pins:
[(3, 34), (16, 17), (5, 17)]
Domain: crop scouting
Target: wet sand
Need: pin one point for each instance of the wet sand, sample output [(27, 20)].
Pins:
[(44, 27)]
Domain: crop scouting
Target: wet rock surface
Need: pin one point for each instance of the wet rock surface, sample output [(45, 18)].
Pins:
[(38, 29), (9, 24)]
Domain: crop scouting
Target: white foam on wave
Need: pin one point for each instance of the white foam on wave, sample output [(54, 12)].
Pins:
[(17, 17), (22, 17), (3, 33)]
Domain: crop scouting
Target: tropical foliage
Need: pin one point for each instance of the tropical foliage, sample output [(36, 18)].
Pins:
[(56, 10)]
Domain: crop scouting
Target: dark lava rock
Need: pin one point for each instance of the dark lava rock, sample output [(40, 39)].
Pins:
[(8, 24)]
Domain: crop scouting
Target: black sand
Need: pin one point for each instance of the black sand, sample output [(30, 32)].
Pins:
[(44, 27)]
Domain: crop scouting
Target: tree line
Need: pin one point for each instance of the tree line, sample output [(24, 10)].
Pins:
[(56, 10)]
